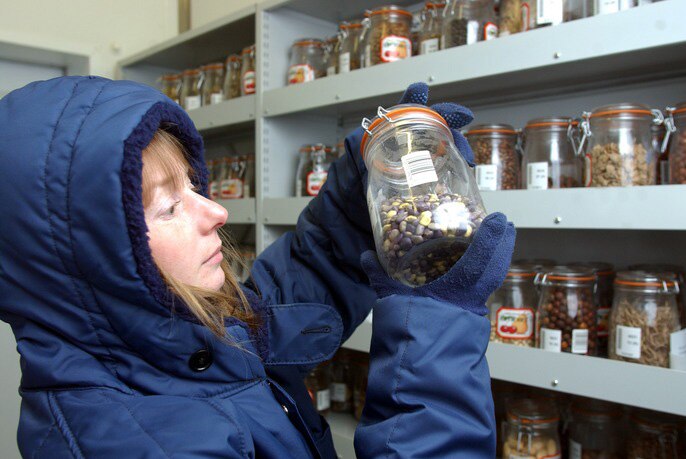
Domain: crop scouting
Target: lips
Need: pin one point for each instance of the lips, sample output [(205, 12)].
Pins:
[(216, 256)]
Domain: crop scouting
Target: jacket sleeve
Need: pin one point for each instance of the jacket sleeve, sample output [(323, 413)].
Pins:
[(429, 386), (320, 261)]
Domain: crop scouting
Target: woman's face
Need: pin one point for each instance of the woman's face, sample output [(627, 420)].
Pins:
[(182, 227)]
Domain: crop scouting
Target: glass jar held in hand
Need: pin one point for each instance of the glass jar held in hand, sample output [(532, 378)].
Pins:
[(423, 201)]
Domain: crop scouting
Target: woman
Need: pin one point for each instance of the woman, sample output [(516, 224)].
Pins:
[(135, 339)]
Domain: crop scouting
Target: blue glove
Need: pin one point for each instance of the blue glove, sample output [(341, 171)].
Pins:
[(470, 281)]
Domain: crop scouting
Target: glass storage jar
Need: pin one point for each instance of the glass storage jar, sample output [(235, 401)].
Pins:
[(331, 49), (350, 51), (389, 35), (566, 315), (644, 315), (668, 270), (360, 373), (307, 61), (676, 127), (531, 430), (549, 159), (317, 383), (190, 89), (423, 201), (510, 20), (605, 276), (467, 21), (170, 85), (364, 39), (513, 308), (212, 83), (341, 383), (619, 149), (495, 155), (432, 27), (248, 78), (232, 80), (652, 436), (595, 431), (232, 184)]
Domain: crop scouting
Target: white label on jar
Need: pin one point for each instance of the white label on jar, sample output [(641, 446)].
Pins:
[(628, 342), (574, 450), (490, 31), (300, 73), (579, 341), (511, 323), (487, 177), (315, 181), (249, 82), (330, 71), (231, 189), (428, 46), (603, 321), (419, 168), (395, 48), (677, 342), (214, 189), (191, 102), (606, 6), (551, 340), (537, 176), (344, 63), (338, 392), (549, 12), (323, 400), (216, 97), (472, 32)]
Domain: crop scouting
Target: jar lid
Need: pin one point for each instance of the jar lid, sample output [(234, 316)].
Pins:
[(191, 72), (520, 270), (248, 50), (397, 113), (625, 110), (233, 58), (647, 281), (352, 24), (171, 77), (532, 412), (550, 122), (567, 273), (492, 129), (434, 5), (213, 66), (306, 42), (599, 268), (390, 9)]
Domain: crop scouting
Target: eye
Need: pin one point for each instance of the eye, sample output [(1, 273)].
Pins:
[(171, 210)]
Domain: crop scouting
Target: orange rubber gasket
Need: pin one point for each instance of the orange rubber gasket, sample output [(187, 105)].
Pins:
[(681, 110), (558, 123), (403, 12), (521, 274), (582, 279), (308, 43), (351, 26), (645, 284), (434, 5), (619, 112), (493, 131)]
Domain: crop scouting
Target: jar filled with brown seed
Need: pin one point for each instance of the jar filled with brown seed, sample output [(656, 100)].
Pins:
[(495, 155), (423, 201), (349, 51), (232, 80), (307, 62), (248, 77), (566, 315), (513, 308), (644, 315), (170, 85), (212, 83), (595, 430), (531, 430), (605, 276), (432, 25), (676, 127), (619, 151), (389, 35), (468, 21), (549, 159), (652, 436)]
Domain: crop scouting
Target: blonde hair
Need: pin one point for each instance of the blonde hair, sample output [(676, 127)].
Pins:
[(165, 155)]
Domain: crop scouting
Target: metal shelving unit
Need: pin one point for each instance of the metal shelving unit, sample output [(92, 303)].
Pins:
[(635, 55)]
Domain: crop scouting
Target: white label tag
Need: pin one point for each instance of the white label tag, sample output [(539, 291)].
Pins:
[(628, 342), (472, 32), (537, 176), (606, 6), (395, 48), (490, 31), (323, 400), (579, 341), (419, 168), (216, 98), (301, 73), (191, 102), (549, 12), (575, 450), (551, 340), (338, 392), (330, 71), (344, 63), (487, 177), (677, 342), (428, 46)]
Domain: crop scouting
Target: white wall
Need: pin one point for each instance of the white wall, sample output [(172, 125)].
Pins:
[(204, 11), (107, 30)]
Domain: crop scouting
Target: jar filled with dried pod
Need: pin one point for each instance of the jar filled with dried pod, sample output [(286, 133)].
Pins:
[(676, 127), (432, 26), (495, 155), (644, 315), (619, 151), (513, 308), (566, 315), (549, 159), (670, 272), (389, 35), (232, 80), (531, 430), (468, 21)]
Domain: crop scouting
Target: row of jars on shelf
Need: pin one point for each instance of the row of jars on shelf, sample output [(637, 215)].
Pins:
[(540, 424), (614, 145), (588, 309), (232, 177), (212, 83), (390, 33)]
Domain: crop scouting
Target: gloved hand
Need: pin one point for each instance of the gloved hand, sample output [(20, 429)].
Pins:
[(470, 281)]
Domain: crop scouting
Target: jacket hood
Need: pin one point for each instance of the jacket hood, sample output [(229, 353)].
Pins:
[(77, 281)]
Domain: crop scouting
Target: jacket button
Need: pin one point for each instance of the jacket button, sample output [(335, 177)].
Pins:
[(200, 360)]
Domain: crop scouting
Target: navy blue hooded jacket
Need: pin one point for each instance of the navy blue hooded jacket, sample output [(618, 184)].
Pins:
[(112, 368)]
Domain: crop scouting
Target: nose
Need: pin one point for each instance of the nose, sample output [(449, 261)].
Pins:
[(214, 216)]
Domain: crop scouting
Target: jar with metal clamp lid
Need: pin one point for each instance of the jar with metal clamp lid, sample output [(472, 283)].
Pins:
[(190, 89), (619, 151), (653, 436), (531, 430), (423, 200), (549, 159), (331, 48), (232, 81), (595, 430), (213, 83), (495, 155), (350, 50), (248, 77), (389, 35), (513, 307), (432, 26), (308, 61)]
